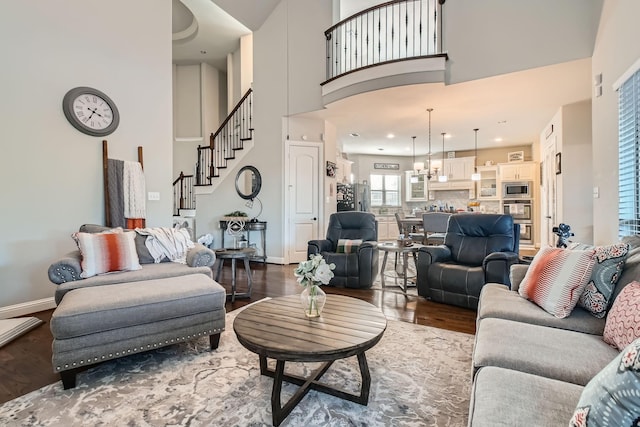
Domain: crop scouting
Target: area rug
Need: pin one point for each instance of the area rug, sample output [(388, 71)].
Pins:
[(420, 376), (11, 329)]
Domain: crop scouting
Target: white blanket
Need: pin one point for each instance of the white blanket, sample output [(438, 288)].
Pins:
[(170, 242), (134, 190)]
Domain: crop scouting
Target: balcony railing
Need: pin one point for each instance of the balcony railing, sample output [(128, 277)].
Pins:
[(393, 31)]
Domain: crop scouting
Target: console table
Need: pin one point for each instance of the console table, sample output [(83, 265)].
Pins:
[(252, 229)]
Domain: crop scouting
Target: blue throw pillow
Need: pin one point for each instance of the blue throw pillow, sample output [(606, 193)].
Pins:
[(612, 397)]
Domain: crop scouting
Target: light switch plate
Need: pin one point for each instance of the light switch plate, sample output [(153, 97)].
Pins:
[(153, 195), (596, 192)]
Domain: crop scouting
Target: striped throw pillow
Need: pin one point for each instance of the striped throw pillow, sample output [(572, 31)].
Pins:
[(556, 278), (107, 252), (346, 246)]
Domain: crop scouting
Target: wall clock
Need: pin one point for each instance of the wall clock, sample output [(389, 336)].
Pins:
[(90, 111)]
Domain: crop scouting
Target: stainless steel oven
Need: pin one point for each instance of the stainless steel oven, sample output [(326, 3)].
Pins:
[(517, 190), (519, 209), (526, 232)]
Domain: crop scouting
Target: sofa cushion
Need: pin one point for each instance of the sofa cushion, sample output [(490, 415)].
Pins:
[(346, 246), (497, 301), (556, 278), (112, 250), (539, 350), (504, 397), (623, 322), (611, 398), (609, 262)]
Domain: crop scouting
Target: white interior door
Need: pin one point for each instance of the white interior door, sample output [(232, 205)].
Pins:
[(303, 197)]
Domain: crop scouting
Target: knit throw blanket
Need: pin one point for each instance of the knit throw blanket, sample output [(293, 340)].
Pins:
[(172, 243)]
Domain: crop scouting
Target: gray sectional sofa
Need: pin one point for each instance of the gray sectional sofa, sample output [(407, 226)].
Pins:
[(529, 367)]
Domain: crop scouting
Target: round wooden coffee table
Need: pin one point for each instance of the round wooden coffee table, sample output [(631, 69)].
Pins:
[(278, 329)]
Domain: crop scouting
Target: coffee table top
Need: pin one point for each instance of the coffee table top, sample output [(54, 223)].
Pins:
[(235, 253), (278, 329)]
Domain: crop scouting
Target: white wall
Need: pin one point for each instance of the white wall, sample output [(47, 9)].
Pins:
[(615, 51), (51, 174), (492, 37)]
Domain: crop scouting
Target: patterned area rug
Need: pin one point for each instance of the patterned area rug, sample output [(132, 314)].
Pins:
[(393, 272), (420, 377)]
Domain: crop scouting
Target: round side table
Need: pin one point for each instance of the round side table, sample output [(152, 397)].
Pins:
[(234, 254)]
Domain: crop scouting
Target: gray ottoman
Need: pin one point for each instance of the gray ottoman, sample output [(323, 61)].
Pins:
[(91, 325)]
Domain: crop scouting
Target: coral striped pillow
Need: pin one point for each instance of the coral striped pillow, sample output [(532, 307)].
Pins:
[(623, 322), (106, 252), (556, 278)]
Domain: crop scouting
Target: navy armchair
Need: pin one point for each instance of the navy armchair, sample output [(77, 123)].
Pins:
[(359, 268), (478, 249)]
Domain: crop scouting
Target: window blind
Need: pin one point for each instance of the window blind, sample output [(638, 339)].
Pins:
[(628, 158)]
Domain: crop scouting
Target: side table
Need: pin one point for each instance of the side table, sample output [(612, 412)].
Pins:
[(234, 254)]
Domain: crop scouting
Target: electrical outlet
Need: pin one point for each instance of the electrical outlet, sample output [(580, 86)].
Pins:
[(596, 192), (153, 195)]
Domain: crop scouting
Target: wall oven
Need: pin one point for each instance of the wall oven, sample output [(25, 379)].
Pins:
[(526, 233), (517, 190), (519, 209)]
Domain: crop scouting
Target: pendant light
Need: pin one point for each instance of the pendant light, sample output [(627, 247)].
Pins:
[(429, 176), (475, 176), (443, 177), (417, 166)]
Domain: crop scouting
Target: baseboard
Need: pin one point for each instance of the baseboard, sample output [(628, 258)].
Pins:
[(28, 307), (275, 260)]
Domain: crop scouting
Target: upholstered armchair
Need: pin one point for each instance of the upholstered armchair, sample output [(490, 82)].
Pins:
[(351, 245), (478, 249)]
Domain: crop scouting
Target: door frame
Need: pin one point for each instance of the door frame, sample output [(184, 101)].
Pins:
[(286, 199)]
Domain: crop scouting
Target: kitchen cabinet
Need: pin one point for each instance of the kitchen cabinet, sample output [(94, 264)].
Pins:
[(434, 187), (343, 170), (415, 187), (487, 187), (387, 228), (525, 171), (459, 169)]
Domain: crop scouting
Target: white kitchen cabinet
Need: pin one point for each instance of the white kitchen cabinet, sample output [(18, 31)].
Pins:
[(415, 187), (459, 169), (343, 172), (525, 171), (387, 228), (488, 187)]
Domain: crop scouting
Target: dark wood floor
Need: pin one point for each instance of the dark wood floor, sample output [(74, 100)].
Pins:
[(25, 364)]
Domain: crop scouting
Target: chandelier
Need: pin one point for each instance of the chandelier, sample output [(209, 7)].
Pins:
[(475, 176), (443, 177)]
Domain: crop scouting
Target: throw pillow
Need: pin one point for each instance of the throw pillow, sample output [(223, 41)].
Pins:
[(623, 322), (556, 278), (346, 246), (604, 277), (611, 398), (107, 252)]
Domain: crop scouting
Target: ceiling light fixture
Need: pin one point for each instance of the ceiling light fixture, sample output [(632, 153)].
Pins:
[(443, 177), (475, 176), (417, 166), (429, 176)]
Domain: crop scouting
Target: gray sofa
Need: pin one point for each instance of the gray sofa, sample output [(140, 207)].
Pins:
[(126, 312), (529, 367)]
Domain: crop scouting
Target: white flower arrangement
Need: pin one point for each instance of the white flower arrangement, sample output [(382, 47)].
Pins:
[(314, 271)]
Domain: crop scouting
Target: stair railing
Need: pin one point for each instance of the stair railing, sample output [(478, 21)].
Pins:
[(183, 195), (224, 142), (393, 31)]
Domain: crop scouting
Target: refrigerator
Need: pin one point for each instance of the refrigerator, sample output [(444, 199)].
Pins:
[(353, 197)]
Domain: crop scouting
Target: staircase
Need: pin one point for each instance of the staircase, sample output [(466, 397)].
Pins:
[(234, 135)]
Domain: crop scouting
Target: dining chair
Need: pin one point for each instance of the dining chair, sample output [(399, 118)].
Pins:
[(434, 225)]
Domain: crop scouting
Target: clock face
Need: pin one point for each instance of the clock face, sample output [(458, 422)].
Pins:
[(93, 111), (90, 111)]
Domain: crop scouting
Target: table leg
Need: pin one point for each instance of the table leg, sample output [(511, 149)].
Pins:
[(247, 268), (220, 264), (233, 279), (405, 260), (384, 263)]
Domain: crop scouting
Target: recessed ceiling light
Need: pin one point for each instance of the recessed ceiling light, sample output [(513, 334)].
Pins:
[(390, 135), (380, 149), (204, 52), (498, 139), (502, 122), (354, 134)]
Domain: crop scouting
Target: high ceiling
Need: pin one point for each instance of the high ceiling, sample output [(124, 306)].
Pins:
[(513, 107)]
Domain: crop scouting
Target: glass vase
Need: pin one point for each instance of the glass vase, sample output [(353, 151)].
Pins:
[(312, 299)]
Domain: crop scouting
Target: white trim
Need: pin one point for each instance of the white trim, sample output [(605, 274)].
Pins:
[(189, 139), (625, 76), (28, 307)]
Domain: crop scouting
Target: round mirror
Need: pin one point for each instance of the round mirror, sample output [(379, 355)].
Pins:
[(248, 182)]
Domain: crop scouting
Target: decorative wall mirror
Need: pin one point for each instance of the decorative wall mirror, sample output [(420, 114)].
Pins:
[(248, 182)]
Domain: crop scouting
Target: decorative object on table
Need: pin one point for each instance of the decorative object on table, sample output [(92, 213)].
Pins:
[(206, 240), (311, 274), (558, 163), (90, 111), (515, 156), (235, 229)]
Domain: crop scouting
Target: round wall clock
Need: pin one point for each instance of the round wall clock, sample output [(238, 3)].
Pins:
[(90, 111)]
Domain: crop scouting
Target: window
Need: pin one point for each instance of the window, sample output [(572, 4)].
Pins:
[(628, 156), (385, 190)]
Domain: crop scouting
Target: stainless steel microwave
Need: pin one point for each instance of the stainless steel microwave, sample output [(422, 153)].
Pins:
[(517, 190)]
